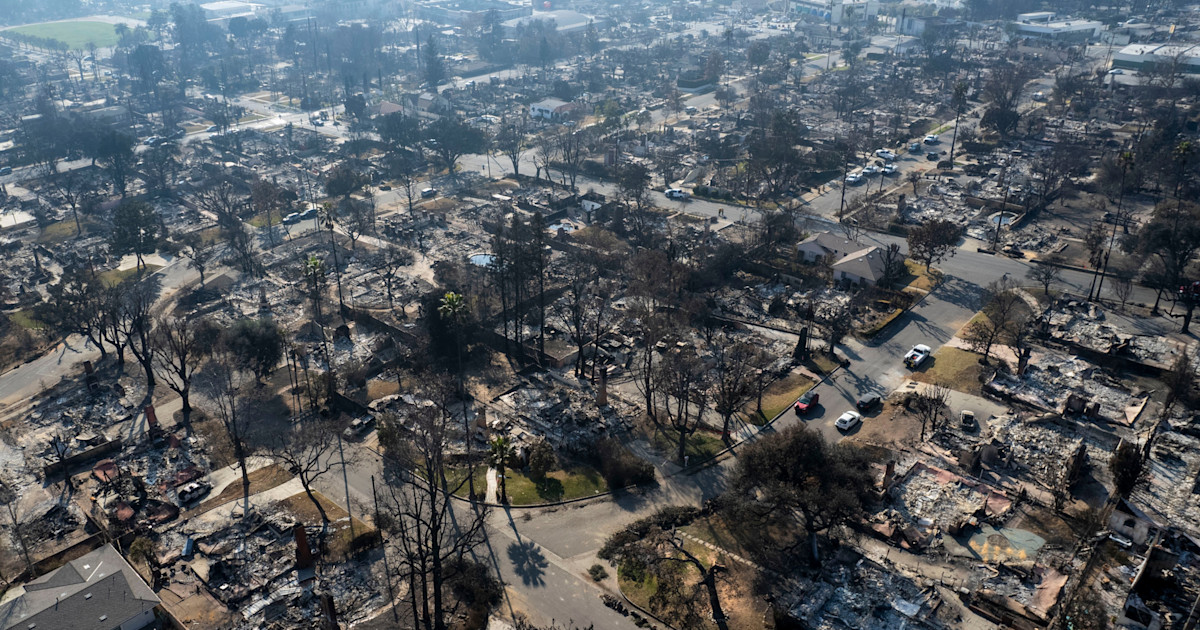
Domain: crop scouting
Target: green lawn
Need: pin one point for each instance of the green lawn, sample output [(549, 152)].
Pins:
[(778, 397), (76, 35), (821, 363), (700, 446), (25, 319), (456, 476), (559, 485), (953, 367), (64, 230), (114, 277), (260, 220)]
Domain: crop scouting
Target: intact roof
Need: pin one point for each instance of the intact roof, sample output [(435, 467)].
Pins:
[(864, 263), (550, 103), (98, 591), (832, 243)]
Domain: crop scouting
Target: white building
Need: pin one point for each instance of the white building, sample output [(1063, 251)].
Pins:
[(838, 11), (1145, 56), (551, 109), (1047, 25)]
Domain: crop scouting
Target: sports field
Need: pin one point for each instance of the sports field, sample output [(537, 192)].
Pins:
[(76, 35)]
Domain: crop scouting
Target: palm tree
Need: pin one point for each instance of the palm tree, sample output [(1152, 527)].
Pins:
[(501, 451), (328, 218), (314, 276), (960, 101), (453, 309)]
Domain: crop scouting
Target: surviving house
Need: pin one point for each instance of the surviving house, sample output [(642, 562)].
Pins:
[(98, 591), (824, 245), (863, 267), (551, 109)]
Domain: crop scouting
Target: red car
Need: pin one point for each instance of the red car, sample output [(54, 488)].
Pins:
[(807, 402)]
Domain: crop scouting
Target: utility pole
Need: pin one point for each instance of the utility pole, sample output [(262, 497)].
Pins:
[(346, 481), (386, 571)]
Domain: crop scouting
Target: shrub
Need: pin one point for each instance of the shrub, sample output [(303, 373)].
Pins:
[(597, 573), (541, 459), (666, 518), (620, 467)]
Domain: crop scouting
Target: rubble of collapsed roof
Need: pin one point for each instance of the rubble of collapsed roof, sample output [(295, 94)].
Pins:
[(936, 499), (1083, 325), (860, 593), (1062, 383)]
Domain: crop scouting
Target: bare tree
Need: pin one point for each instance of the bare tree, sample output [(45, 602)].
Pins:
[(1004, 315), (929, 407), (734, 373), (221, 384), (307, 451), (427, 534), (387, 264), (684, 394), (1045, 273), (179, 347), (1121, 286)]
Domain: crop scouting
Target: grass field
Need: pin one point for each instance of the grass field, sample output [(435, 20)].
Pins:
[(76, 35), (559, 485), (699, 446), (116, 276), (779, 396), (955, 368)]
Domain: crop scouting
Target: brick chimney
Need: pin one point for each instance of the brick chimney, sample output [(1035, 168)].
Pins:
[(304, 558), (151, 417), (602, 389)]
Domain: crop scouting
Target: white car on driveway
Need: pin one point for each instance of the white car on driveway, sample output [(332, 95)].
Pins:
[(917, 355), (848, 420), (885, 154)]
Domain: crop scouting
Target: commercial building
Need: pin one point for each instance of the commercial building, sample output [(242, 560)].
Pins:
[(838, 11), (1047, 25), (1146, 56), (458, 12)]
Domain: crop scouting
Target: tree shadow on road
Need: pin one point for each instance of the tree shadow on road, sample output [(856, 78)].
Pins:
[(528, 562)]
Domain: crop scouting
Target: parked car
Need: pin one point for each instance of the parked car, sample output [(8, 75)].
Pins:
[(807, 402), (966, 419), (931, 139), (853, 178), (914, 146), (428, 193), (917, 355), (1116, 71), (311, 213), (932, 156), (211, 129), (7, 170), (890, 169), (292, 218), (848, 420), (677, 193), (885, 154), (192, 491), (868, 401), (359, 427), (384, 187)]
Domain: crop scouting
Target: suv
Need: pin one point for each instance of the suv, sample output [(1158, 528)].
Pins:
[(868, 401), (677, 193), (428, 193), (885, 154), (931, 139), (359, 427), (191, 491), (807, 402)]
